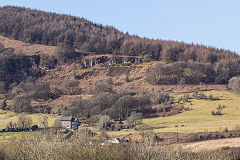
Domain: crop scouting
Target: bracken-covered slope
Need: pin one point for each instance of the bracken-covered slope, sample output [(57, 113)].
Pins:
[(20, 56), (49, 61), (47, 28)]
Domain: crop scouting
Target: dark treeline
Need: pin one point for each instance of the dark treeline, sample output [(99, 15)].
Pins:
[(119, 105), (193, 72), (46, 28)]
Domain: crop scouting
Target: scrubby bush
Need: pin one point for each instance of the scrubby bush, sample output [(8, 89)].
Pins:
[(77, 108), (219, 110), (2, 155), (180, 72), (198, 95), (134, 119), (202, 96), (1, 47), (47, 62), (8, 51), (234, 84), (3, 87), (4, 104), (71, 87), (195, 94), (220, 107), (34, 90), (235, 151), (194, 137), (53, 144), (21, 103), (186, 98), (63, 52), (186, 109), (41, 90), (103, 86), (103, 121), (226, 69), (104, 100), (122, 107), (160, 97), (127, 76), (213, 98), (24, 121)]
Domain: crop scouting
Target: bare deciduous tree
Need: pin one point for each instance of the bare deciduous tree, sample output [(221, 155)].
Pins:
[(24, 121), (134, 119), (102, 121), (44, 121)]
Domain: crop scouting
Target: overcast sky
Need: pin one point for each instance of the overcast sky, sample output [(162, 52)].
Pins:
[(213, 23)]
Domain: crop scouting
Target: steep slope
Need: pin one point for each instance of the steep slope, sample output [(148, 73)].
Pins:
[(39, 27), (57, 62), (74, 70)]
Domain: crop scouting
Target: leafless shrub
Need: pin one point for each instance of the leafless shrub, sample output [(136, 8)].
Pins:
[(24, 121), (159, 97), (53, 144), (70, 87), (63, 52), (103, 86), (34, 90), (3, 87), (21, 104), (234, 84), (1, 47), (47, 62)]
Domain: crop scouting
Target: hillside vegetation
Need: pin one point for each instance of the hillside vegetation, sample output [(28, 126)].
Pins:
[(164, 92), (208, 64), (54, 145), (197, 115), (88, 69), (35, 26), (7, 116)]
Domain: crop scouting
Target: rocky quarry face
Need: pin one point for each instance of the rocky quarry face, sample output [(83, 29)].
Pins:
[(88, 63)]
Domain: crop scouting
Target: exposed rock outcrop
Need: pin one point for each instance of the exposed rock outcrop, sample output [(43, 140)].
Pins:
[(90, 62)]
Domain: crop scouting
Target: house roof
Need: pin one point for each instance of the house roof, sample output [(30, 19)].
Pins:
[(67, 118), (114, 140)]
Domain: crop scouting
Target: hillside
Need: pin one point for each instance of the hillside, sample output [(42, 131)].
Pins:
[(86, 77), (46, 28), (61, 64), (74, 89), (198, 63)]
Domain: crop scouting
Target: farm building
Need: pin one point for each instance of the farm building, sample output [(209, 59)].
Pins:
[(69, 122), (115, 141)]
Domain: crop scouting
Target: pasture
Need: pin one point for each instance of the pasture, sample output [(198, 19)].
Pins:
[(8, 116), (10, 136), (199, 117)]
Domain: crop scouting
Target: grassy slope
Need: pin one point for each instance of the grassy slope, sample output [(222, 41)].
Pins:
[(7, 116), (211, 144), (199, 119), (7, 136)]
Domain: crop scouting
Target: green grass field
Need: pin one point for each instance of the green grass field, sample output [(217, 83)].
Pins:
[(199, 119), (8, 116), (8, 136)]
